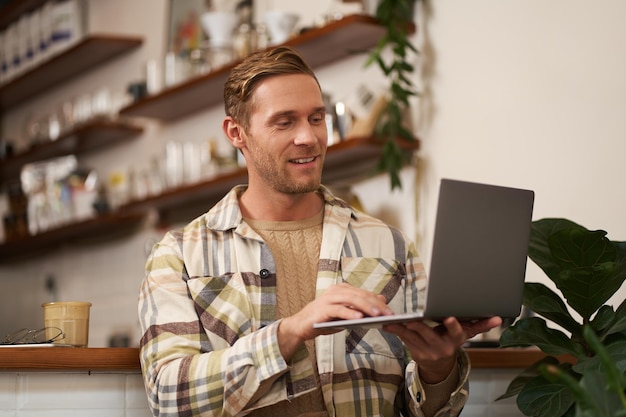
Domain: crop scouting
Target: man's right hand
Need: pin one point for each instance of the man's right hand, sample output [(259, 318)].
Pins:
[(341, 301)]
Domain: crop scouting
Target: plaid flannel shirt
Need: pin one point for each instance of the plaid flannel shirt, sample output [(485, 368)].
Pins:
[(207, 308)]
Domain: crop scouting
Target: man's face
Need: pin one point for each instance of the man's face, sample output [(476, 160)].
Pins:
[(287, 138)]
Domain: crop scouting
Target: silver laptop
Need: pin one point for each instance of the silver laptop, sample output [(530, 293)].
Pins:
[(479, 255)]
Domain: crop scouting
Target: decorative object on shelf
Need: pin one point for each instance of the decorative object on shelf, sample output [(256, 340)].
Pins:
[(58, 192), (366, 106), (280, 25), (245, 34), (37, 32), (396, 17), (588, 269), (320, 46), (90, 53), (345, 162), (219, 26), (83, 138), (184, 31)]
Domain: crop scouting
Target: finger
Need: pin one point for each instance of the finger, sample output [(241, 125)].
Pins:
[(412, 339), (447, 336), (455, 331), (419, 334), (424, 343), (472, 329), (367, 302)]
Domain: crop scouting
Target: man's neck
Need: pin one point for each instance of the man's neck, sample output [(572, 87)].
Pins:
[(279, 206)]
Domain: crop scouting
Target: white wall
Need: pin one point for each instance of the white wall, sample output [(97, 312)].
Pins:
[(521, 93), (528, 94)]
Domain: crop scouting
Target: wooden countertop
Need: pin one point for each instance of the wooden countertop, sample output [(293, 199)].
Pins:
[(127, 359), (69, 359)]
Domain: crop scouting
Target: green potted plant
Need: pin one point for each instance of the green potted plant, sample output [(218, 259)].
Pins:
[(396, 16), (584, 372)]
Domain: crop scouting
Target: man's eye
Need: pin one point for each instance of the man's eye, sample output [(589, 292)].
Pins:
[(317, 118), (283, 123)]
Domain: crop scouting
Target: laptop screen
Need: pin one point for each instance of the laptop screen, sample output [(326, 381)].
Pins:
[(480, 250)]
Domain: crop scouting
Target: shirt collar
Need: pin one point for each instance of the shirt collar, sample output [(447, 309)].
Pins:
[(226, 214)]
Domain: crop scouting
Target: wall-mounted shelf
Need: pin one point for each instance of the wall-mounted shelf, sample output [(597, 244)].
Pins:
[(92, 230), (319, 46), (86, 54), (346, 161), (93, 135)]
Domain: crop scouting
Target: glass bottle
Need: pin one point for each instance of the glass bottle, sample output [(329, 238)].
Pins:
[(245, 35)]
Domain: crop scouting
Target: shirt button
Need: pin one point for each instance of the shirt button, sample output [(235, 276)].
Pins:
[(418, 397), (264, 273)]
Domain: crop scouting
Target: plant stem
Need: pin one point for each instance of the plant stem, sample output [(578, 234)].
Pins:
[(395, 16)]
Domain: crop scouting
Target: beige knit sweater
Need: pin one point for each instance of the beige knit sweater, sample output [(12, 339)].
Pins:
[(295, 246)]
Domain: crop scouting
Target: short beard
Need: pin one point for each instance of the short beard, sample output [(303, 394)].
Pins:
[(268, 171)]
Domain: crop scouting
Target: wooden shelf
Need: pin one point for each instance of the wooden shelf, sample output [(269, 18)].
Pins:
[(127, 359), (356, 159), (206, 192), (319, 46), (87, 54), (94, 135), (346, 161), (93, 230)]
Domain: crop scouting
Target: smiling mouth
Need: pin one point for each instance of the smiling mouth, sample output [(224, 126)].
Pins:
[(303, 160)]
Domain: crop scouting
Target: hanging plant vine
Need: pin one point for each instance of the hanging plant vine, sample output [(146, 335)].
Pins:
[(396, 17)]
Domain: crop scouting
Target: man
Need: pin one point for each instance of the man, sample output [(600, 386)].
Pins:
[(228, 303)]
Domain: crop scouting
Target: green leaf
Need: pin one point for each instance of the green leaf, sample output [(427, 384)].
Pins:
[(543, 301), (619, 325), (615, 354), (533, 331), (604, 402), (578, 247), (383, 66), (583, 264), (587, 289), (406, 134), (542, 398), (583, 399), (604, 318), (528, 374), (538, 248), (611, 363)]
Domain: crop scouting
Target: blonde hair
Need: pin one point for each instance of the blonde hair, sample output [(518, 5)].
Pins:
[(245, 77)]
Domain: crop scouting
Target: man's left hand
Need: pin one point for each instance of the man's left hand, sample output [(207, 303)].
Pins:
[(434, 349)]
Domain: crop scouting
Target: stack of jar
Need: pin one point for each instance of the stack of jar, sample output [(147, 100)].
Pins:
[(38, 35)]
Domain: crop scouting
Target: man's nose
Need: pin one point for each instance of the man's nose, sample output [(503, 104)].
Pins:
[(307, 134)]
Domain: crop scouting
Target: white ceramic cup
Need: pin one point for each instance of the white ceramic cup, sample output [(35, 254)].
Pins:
[(280, 25), (219, 27)]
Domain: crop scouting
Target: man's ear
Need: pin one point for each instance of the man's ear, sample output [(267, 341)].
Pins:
[(234, 132)]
